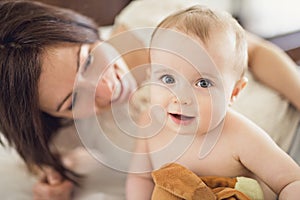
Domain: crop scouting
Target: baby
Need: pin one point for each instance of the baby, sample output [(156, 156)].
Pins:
[(198, 58)]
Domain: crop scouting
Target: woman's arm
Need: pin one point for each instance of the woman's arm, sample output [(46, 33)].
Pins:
[(273, 67)]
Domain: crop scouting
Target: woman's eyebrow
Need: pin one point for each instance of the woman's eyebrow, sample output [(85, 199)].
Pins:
[(70, 94)]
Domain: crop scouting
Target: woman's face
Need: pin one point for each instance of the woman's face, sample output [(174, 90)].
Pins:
[(60, 67)]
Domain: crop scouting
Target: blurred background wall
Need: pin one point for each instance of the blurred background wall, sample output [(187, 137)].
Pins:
[(266, 18), (102, 11)]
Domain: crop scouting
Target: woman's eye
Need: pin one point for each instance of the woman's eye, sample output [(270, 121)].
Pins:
[(167, 79), (88, 62), (204, 83), (73, 101)]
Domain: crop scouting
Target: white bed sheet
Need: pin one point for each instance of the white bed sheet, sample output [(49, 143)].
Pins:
[(15, 182)]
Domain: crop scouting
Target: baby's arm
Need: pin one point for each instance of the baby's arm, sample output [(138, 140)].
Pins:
[(139, 183), (274, 68), (139, 186), (259, 154), (291, 191)]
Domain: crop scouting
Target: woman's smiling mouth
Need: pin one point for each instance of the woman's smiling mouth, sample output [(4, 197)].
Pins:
[(124, 85), (118, 90)]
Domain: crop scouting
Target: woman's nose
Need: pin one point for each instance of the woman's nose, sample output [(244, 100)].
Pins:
[(104, 90)]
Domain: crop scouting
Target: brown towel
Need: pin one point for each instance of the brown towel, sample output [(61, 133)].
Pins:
[(174, 181)]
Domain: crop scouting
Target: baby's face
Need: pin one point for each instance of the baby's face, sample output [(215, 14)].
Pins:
[(194, 88)]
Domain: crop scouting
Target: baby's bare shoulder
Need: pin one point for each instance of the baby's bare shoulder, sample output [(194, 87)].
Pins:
[(241, 129), (238, 122)]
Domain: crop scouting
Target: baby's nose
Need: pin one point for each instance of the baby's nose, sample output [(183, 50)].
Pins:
[(184, 100)]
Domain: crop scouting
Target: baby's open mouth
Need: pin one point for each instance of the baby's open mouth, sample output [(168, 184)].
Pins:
[(181, 119)]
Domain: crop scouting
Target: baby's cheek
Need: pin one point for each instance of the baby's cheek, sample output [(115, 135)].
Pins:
[(212, 109), (159, 95), (205, 113), (218, 108)]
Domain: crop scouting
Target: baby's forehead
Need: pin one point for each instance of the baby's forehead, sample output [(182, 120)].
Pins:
[(218, 51), (169, 63), (218, 40)]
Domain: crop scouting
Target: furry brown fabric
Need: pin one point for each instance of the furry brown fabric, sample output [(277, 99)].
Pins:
[(175, 182)]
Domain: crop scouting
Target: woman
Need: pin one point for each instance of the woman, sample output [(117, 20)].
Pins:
[(27, 41), (41, 50)]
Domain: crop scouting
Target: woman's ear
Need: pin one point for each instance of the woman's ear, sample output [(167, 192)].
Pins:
[(239, 86)]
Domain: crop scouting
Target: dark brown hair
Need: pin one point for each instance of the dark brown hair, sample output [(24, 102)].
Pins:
[(27, 29)]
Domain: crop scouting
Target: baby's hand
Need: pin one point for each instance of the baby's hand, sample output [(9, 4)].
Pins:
[(80, 161)]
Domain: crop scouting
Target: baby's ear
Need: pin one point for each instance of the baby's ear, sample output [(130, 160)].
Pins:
[(239, 86)]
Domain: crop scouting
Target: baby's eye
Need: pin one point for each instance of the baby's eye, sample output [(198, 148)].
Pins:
[(167, 79), (204, 83)]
